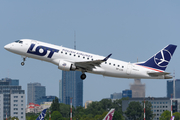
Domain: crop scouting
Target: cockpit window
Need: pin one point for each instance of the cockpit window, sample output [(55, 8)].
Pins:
[(19, 41)]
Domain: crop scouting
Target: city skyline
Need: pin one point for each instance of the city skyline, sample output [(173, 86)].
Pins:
[(129, 30)]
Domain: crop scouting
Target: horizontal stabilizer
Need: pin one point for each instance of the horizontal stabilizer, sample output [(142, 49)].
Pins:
[(158, 73)]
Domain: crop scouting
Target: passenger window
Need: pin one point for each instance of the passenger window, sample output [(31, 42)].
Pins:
[(83, 57), (105, 62), (109, 63), (61, 51), (70, 54), (114, 64), (122, 66), (118, 65), (74, 55), (88, 58)]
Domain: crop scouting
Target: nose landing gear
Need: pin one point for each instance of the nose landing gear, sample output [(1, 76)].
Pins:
[(23, 63)]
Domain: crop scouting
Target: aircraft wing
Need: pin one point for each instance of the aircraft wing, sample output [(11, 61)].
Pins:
[(88, 65)]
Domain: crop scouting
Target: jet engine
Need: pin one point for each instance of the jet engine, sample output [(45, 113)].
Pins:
[(66, 66)]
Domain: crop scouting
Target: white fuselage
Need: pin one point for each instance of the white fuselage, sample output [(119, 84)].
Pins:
[(55, 54)]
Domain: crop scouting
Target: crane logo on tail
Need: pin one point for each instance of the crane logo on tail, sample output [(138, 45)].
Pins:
[(162, 58)]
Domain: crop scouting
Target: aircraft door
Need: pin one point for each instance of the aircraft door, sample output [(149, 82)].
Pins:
[(129, 68)]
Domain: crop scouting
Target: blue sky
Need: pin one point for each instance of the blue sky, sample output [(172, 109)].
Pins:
[(127, 29)]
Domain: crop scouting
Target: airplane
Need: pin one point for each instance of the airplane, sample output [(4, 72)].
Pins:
[(109, 115), (74, 60), (172, 118), (42, 115)]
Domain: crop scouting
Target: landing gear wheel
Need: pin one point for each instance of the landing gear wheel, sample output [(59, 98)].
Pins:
[(83, 76), (24, 59), (22, 63)]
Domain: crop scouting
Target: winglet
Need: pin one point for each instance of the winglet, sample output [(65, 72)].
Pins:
[(105, 59)]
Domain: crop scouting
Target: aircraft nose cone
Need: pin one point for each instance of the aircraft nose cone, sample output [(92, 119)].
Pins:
[(7, 47)]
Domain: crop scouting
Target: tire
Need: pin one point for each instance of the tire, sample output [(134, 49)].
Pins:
[(22, 63), (83, 76)]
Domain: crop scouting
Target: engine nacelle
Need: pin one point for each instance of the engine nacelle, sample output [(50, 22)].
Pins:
[(66, 66)]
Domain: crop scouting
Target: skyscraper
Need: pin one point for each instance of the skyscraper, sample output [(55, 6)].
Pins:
[(138, 89), (170, 88), (12, 99), (60, 90), (34, 92), (72, 87)]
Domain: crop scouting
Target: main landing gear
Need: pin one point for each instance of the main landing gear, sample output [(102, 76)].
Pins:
[(83, 76), (23, 63)]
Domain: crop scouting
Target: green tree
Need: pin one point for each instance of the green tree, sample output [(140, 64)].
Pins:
[(56, 115), (176, 115), (134, 111), (65, 110), (55, 105), (31, 116), (79, 111), (117, 116), (166, 115), (98, 117), (12, 118), (149, 113)]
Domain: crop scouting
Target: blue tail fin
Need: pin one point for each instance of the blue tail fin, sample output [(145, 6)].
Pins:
[(161, 59), (42, 115)]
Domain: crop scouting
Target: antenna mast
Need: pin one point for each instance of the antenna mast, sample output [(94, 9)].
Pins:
[(75, 40), (174, 94)]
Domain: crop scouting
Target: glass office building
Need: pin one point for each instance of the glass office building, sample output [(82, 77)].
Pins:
[(43, 99), (127, 93), (170, 88), (72, 87), (34, 92)]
